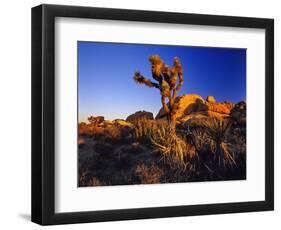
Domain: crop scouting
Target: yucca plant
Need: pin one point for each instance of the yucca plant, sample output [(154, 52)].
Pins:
[(166, 141), (201, 140), (218, 130)]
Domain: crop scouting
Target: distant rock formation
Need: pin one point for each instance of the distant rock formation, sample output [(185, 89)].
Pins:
[(121, 123), (238, 113), (189, 109), (140, 115), (211, 99)]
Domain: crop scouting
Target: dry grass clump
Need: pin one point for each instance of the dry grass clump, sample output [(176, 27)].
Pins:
[(88, 178), (95, 182), (149, 174), (85, 181), (82, 177)]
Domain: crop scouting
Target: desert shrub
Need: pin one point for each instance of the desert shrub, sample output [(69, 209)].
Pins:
[(82, 128), (149, 174), (96, 131), (104, 148), (113, 133), (132, 149), (143, 129), (127, 155), (81, 142), (90, 130), (218, 130), (95, 182), (95, 120), (240, 144), (238, 140), (109, 134), (82, 177), (86, 179)]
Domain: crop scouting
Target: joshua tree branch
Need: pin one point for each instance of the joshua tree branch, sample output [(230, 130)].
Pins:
[(180, 82), (143, 80), (178, 68), (173, 97)]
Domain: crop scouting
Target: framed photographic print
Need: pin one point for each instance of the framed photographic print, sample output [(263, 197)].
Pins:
[(142, 114)]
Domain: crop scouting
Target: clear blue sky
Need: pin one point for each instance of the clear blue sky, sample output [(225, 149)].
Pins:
[(105, 76)]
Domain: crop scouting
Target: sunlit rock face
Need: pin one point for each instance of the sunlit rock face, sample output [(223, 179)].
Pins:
[(194, 107), (211, 99)]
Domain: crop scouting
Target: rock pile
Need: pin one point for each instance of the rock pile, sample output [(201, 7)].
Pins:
[(192, 107)]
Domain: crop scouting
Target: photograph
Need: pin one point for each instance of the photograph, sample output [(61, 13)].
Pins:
[(142, 114), (153, 114)]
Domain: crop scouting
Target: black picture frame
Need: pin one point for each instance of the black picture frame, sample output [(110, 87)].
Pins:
[(43, 114)]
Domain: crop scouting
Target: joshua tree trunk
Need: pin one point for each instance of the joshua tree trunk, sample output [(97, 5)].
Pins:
[(173, 121), (169, 110), (172, 113), (165, 106)]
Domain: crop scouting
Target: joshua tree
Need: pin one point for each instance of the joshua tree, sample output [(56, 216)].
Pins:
[(166, 81)]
